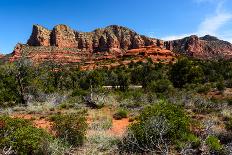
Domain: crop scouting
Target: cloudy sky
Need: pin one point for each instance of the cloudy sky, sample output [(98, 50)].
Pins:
[(166, 19)]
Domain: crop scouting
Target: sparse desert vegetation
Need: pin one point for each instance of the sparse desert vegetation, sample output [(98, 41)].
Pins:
[(182, 108)]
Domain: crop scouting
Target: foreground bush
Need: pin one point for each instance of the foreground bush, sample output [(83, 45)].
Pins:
[(214, 144), (71, 127), (20, 137), (157, 128)]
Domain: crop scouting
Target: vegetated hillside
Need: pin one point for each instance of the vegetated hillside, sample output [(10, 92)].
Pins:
[(180, 108), (107, 47), (207, 47)]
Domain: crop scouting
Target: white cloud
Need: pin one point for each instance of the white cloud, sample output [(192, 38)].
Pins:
[(211, 24)]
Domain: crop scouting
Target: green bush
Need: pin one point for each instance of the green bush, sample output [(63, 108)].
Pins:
[(213, 143), (203, 88), (162, 119), (71, 127), (79, 92), (9, 125), (179, 72), (22, 136), (120, 114), (29, 140), (160, 86), (229, 125), (175, 115), (220, 86), (66, 105)]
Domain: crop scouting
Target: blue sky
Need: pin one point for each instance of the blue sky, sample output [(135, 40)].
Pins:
[(166, 19)]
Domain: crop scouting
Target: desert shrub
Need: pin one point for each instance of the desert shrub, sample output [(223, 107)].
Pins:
[(229, 83), (220, 86), (103, 142), (204, 105), (29, 140), (135, 99), (130, 99), (174, 115), (58, 147), (229, 101), (71, 127), (79, 92), (156, 128), (8, 126), (160, 86), (22, 136), (63, 106), (71, 102), (213, 143), (66, 105), (203, 88), (101, 123), (229, 125), (120, 114)]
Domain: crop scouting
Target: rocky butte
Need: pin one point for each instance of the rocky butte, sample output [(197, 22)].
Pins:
[(106, 47), (113, 46), (207, 47)]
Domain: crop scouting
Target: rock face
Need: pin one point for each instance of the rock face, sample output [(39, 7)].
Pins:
[(99, 40), (40, 36), (105, 47), (63, 36), (207, 47), (1, 56), (113, 46)]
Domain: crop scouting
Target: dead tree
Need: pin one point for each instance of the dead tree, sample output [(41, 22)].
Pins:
[(94, 100)]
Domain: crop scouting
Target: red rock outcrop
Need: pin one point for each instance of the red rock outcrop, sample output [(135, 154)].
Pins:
[(99, 40), (112, 46), (1, 56), (40, 36), (63, 36), (207, 47), (107, 47)]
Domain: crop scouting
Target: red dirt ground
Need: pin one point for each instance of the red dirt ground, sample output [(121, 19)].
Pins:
[(118, 126), (38, 122)]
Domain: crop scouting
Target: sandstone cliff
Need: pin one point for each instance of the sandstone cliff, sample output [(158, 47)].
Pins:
[(207, 47), (113, 46), (99, 40), (105, 47)]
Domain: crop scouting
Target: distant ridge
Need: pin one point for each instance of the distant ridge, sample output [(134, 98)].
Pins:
[(207, 47)]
